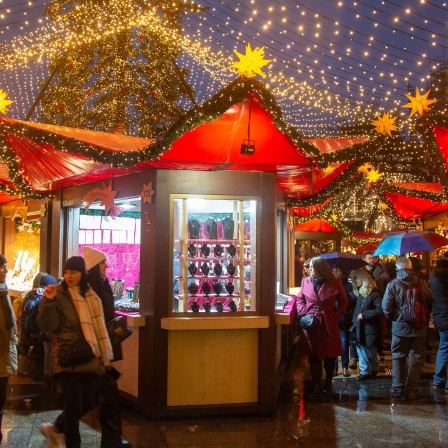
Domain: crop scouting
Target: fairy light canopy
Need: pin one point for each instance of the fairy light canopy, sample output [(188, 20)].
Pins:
[(333, 63)]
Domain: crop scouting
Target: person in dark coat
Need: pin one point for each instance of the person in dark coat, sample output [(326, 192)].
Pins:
[(109, 409), (323, 295), (345, 322), (366, 318), (407, 340), (438, 281), (8, 339), (72, 312)]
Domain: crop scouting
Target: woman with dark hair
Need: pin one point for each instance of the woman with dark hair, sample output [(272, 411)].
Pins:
[(72, 312), (345, 322), (109, 409), (323, 295)]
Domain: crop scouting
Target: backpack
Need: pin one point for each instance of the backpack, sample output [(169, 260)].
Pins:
[(415, 311)]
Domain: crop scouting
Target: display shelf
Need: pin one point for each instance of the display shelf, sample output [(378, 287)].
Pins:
[(192, 231)]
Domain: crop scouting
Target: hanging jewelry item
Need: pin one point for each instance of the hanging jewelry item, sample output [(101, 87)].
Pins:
[(217, 269), (231, 269), (232, 306), (205, 269), (217, 288), (207, 306), (192, 268), (231, 250), (230, 287), (195, 307), (218, 250), (192, 250), (206, 289), (205, 250), (219, 306), (193, 288)]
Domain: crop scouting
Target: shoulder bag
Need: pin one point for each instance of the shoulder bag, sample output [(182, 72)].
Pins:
[(74, 353), (118, 330)]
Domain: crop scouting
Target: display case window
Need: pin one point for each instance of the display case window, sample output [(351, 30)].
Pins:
[(214, 255)]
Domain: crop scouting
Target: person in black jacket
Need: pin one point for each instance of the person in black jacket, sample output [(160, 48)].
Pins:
[(345, 322), (439, 286), (366, 318), (109, 409), (408, 341)]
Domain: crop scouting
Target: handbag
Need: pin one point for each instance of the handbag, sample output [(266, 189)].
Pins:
[(75, 353), (118, 330), (308, 321)]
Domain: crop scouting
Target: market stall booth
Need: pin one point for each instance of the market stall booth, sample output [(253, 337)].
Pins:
[(208, 237)]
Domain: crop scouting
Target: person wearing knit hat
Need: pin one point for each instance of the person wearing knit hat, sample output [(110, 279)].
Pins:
[(73, 313), (92, 257), (29, 333), (8, 338), (109, 409)]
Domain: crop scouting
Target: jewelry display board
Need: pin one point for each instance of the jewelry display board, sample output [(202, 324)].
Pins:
[(214, 255)]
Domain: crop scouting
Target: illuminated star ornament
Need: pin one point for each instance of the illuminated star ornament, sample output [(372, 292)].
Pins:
[(334, 217), (250, 64), (365, 168), (385, 124), (383, 206), (419, 103), (4, 103), (373, 176)]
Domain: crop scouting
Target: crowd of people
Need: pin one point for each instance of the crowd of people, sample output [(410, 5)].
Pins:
[(58, 316), (354, 312)]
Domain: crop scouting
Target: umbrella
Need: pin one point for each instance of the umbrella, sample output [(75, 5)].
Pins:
[(367, 248), (410, 241), (349, 260)]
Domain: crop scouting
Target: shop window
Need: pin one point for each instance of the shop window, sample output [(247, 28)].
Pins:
[(214, 255), (116, 234), (26, 248)]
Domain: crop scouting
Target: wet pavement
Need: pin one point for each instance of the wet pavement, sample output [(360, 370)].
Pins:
[(359, 415)]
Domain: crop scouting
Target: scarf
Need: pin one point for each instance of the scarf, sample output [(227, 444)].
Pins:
[(6, 307), (318, 282), (91, 317)]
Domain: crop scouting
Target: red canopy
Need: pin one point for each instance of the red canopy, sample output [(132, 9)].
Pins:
[(315, 225)]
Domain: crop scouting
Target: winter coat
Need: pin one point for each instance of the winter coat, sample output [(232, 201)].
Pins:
[(439, 287), (8, 336), (395, 299), (345, 322), (381, 277), (58, 317), (368, 303), (324, 340), (32, 299), (103, 290)]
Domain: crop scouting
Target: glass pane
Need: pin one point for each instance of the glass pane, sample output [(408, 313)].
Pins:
[(214, 256)]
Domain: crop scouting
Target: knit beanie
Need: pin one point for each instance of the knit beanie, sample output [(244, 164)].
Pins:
[(75, 263), (47, 279), (92, 257), (3, 260)]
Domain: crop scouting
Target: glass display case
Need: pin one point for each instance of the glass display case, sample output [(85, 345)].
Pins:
[(214, 255)]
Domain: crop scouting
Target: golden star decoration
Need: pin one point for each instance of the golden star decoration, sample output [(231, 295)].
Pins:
[(147, 193), (250, 64), (4, 103), (385, 124), (365, 168), (373, 176), (383, 206), (334, 217), (418, 103)]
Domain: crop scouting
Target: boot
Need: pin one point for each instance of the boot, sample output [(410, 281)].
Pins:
[(23, 366), (353, 364), (316, 393)]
